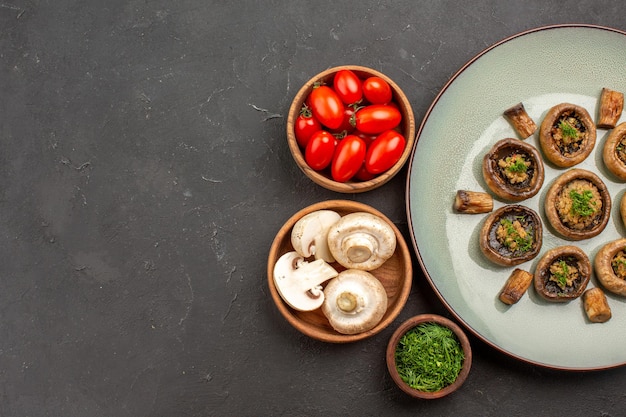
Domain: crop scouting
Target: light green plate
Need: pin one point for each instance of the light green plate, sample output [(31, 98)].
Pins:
[(540, 68)]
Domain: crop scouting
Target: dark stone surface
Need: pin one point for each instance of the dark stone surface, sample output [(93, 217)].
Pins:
[(145, 173)]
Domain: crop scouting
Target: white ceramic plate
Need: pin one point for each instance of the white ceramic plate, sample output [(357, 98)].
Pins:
[(539, 68)]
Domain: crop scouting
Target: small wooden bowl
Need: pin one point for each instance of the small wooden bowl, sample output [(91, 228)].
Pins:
[(323, 178), (396, 275), (410, 324)]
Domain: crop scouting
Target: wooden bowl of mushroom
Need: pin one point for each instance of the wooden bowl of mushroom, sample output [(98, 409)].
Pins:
[(339, 271), (429, 356), (350, 129)]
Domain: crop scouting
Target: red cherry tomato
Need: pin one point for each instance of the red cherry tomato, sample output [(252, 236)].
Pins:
[(326, 106), (305, 126), (347, 85), (320, 149), (346, 126), (384, 152), (376, 118), (348, 158), (367, 138), (377, 91), (363, 174)]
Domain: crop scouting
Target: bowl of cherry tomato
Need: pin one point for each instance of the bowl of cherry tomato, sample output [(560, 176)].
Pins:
[(350, 129)]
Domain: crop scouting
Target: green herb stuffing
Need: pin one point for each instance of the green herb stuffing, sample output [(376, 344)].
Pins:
[(518, 163), (514, 239), (582, 204), (429, 357), (618, 264), (561, 276), (568, 130)]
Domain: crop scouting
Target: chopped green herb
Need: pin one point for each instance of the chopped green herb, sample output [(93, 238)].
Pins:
[(518, 163), (514, 239), (568, 130), (562, 275), (429, 357), (582, 204)]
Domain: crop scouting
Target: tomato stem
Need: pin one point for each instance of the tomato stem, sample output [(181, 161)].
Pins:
[(305, 111)]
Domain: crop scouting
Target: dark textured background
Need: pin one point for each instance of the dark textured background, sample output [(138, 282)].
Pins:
[(145, 173)]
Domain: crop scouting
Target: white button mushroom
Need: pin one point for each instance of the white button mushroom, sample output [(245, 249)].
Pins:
[(299, 282), (361, 241), (309, 234), (356, 302)]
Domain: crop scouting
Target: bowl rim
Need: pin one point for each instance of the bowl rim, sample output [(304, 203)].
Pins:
[(392, 311), (351, 187), (408, 325)]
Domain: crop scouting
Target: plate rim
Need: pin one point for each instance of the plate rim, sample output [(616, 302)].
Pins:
[(411, 230)]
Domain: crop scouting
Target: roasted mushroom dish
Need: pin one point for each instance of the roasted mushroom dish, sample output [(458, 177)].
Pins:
[(511, 235), (562, 274), (567, 135), (513, 170), (578, 205)]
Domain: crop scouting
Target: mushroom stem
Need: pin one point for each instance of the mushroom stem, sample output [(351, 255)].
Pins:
[(359, 247), (347, 302)]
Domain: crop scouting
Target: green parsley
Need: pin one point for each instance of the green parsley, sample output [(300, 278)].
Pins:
[(429, 357), (514, 241), (568, 130), (562, 275), (582, 204), (518, 163)]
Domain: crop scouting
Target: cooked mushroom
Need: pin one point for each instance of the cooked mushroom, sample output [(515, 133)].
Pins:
[(610, 108), (622, 208), (473, 202), (309, 236), (596, 305), (567, 135), (299, 282), (361, 240), (516, 286), (610, 266), (356, 302), (614, 151), (511, 235), (562, 274), (513, 169), (523, 124), (578, 205)]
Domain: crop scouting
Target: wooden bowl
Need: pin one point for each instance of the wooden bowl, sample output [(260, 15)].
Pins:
[(323, 178), (410, 324), (396, 275)]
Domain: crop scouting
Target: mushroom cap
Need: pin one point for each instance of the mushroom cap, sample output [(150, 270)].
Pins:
[(565, 158), (622, 208), (355, 301), (299, 282), (604, 269), (554, 194), (496, 179), (362, 241), (309, 236), (610, 154), (500, 253), (549, 290)]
